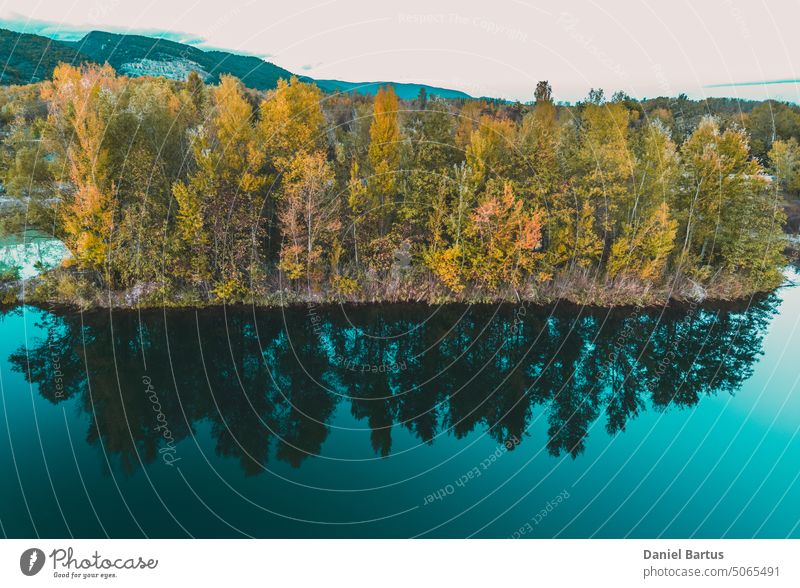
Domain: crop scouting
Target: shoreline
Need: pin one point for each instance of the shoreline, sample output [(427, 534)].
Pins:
[(610, 298)]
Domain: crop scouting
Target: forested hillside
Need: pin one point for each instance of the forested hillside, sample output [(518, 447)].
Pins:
[(31, 58), (189, 193)]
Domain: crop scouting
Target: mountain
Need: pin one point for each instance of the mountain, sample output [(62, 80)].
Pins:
[(136, 55), (26, 58), (404, 91), (31, 58)]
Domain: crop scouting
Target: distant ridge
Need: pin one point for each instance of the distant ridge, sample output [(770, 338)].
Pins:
[(406, 91), (26, 58), (29, 58)]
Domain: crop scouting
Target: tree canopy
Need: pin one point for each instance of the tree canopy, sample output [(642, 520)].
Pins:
[(220, 193)]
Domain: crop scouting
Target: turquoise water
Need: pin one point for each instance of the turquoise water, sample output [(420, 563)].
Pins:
[(404, 420), (31, 251)]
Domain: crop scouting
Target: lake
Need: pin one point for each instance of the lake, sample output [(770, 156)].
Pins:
[(403, 421), (30, 252)]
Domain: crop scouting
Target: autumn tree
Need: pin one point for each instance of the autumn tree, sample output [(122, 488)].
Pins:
[(538, 144), (292, 122), (648, 231), (219, 207), (492, 150), (715, 167), (82, 103), (575, 242), (499, 248), (309, 218), (384, 152), (468, 119), (162, 186), (505, 240)]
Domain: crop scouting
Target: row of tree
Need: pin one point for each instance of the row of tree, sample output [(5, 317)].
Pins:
[(231, 194)]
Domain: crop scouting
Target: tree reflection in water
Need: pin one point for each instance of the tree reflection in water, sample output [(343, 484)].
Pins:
[(275, 377)]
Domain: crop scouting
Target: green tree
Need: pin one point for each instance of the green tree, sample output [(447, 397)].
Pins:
[(539, 143), (643, 251), (361, 203), (219, 206), (730, 219), (430, 158), (785, 159), (770, 121), (605, 164)]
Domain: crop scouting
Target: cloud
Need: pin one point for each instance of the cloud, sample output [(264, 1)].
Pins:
[(762, 83), (67, 32)]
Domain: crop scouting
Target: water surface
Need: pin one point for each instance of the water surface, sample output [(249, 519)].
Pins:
[(403, 420), (30, 252)]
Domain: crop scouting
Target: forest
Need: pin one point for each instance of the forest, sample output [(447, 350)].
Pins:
[(183, 193)]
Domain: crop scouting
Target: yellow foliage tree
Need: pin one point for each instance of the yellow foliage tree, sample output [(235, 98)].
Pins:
[(491, 152), (81, 104), (292, 122), (384, 150), (468, 120), (309, 217)]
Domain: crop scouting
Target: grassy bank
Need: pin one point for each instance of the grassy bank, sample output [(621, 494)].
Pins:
[(69, 288)]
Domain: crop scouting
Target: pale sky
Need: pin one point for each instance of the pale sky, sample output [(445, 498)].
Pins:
[(486, 48)]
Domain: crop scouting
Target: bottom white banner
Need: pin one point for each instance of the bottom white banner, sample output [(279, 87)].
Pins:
[(388, 563)]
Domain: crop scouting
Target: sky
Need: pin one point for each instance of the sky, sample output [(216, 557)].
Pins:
[(499, 48)]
